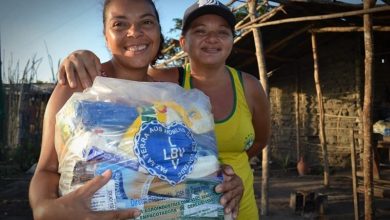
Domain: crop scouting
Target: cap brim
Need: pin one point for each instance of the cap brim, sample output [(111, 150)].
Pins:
[(210, 9)]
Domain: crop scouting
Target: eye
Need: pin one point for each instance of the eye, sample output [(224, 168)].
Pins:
[(149, 22), (224, 33), (200, 31), (119, 25)]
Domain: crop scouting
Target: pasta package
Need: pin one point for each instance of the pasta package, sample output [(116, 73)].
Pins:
[(156, 138)]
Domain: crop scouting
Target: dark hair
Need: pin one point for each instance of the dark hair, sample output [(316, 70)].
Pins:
[(151, 2)]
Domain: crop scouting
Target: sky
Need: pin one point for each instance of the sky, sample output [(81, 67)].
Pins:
[(64, 26)]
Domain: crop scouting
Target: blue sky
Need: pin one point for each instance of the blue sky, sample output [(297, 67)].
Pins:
[(65, 26)]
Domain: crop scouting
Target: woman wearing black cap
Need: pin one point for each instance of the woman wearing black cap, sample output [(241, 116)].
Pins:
[(239, 104)]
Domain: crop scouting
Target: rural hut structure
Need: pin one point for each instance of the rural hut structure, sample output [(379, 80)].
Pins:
[(327, 67), (288, 51)]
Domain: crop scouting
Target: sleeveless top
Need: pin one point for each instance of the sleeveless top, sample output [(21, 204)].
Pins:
[(234, 134)]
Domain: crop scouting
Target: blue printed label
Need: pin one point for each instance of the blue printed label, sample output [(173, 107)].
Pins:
[(167, 152)]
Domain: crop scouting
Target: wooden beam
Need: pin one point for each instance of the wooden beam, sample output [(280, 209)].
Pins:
[(246, 18), (322, 17), (242, 36), (347, 29), (261, 18)]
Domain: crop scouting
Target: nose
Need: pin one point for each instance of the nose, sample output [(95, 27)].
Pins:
[(212, 37), (134, 31)]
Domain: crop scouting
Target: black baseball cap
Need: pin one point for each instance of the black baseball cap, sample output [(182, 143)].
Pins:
[(203, 7)]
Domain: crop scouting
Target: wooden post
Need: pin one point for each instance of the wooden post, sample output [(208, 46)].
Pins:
[(354, 178), (297, 116), (321, 111), (264, 82), (367, 112)]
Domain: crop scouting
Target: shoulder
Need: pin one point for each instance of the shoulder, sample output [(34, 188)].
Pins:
[(164, 74), (252, 85), (254, 93)]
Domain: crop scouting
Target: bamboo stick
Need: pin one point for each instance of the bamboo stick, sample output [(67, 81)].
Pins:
[(354, 178), (246, 17), (261, 18), (321, 111), (347, 29), (297, 132), (321, 17), (238, 7), (242, 36)]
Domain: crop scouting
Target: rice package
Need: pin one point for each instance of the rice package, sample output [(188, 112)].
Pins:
[(156, 138)]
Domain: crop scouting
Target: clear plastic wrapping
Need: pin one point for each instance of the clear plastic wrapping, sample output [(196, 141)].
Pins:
[(156, 138)]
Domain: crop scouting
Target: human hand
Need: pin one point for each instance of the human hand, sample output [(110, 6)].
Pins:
[(232, 189), (82, 66), (76, 205)]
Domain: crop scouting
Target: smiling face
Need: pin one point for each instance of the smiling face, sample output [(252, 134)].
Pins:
[(208, 41), (132, 32)]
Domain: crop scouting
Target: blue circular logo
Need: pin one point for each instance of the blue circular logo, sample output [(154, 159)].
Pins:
[(168, 152)]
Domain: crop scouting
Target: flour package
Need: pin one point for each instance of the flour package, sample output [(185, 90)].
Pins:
[(156, 138)]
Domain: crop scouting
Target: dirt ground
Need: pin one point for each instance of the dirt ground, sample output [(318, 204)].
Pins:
[(14, 200)]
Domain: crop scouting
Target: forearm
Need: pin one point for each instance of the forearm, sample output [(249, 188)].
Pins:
[(253, 151), (43, 190)]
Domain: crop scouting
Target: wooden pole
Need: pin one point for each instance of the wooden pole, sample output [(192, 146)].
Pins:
[(264, 82), (298, 144), (354, 178), (322, 17), (321, 111), (367, 112), (347, 29)]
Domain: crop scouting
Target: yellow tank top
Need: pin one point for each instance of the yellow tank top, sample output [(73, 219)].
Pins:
[(234, 135)]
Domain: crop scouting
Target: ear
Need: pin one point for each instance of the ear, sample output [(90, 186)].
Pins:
[(182, 42)]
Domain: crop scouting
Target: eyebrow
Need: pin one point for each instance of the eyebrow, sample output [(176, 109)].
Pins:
[(142, 16), (203, 25)]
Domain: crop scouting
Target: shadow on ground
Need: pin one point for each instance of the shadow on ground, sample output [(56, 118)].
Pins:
[(14, 197), (340, 200)]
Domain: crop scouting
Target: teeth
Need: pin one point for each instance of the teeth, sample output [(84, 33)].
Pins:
[(137, 48), (211, 50)]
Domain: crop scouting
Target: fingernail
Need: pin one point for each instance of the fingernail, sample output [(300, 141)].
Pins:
[(106, 173), (72, 84), (61, 81), (227, 210), (218, 189), (223, 201), (103, 73)]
